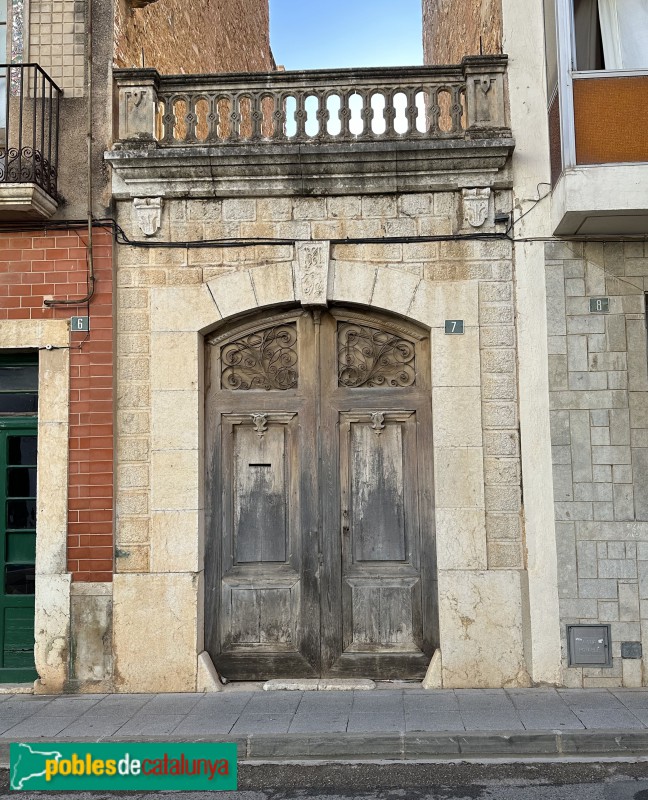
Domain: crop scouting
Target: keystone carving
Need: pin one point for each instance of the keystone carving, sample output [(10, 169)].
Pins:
[(311, 272), (149, 214)]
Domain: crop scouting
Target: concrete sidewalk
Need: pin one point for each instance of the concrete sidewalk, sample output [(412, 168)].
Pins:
[(406, 723)]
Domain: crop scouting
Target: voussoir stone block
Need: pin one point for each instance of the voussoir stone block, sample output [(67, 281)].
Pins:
[(182, 308), (273, 284), (353, 281), (394, 290), (233, 293)]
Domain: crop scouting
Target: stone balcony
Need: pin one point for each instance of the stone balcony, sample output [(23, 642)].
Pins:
[(318, 132)]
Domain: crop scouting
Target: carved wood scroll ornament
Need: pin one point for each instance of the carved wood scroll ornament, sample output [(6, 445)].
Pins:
[(370, 357), (265, 359)]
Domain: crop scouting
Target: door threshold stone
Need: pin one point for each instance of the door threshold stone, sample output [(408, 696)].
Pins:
[(17, 688), (317, 685)]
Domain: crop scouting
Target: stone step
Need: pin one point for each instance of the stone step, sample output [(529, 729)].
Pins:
[(319, 685)]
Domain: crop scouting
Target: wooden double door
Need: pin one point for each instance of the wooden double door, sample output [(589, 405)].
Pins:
[(319, 557)]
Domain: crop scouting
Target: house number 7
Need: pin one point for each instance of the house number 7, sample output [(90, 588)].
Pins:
[(454, 326)]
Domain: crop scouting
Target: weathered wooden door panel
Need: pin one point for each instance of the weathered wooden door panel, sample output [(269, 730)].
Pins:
[(378, 536), (262, 605), (320, 542), (381, 592)]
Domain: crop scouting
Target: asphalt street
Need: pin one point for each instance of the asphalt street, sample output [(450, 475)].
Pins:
[(398, 781)]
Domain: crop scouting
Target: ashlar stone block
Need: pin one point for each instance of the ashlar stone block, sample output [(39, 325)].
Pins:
[(176, 483), (499, 414), (176, 541), (505, 555), (461, 539), (502, 526), (159, 657), (175, 418), (562, 483), (52, 632), (559, 422), (455, 359), (457, 416), (175, 361), (459, 477), (587, 560), (628, 602), (236, 209), (481, 629)]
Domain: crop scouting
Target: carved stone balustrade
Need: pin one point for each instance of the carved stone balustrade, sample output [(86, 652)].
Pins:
[(448, 119)]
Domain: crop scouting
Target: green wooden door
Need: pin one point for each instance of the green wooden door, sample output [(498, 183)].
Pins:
[(18, 409), (17, 547)]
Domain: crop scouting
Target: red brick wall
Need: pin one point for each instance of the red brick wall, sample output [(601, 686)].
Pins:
[(34, 265)]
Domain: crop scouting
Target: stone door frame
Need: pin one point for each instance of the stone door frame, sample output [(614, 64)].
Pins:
[(493, 600), (53, 581)]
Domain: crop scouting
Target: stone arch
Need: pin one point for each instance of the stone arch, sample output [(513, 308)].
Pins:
[(180, 318), (201, 308)]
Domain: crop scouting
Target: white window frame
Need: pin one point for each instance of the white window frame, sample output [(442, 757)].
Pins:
[(567, 72)]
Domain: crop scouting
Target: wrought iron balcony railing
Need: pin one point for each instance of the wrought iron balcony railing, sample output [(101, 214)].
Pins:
[(29, 127), (465, 101)]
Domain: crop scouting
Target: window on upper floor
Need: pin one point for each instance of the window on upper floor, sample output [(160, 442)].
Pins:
[(611, 34)]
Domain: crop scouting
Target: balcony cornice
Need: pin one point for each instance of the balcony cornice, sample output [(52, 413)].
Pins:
[(315, 169)]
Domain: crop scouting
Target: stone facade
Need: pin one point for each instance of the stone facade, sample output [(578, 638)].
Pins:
[(453, 29), (599, 433), (167, 298), (179, 37)]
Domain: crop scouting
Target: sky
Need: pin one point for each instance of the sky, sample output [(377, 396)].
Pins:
[(325, 34)]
